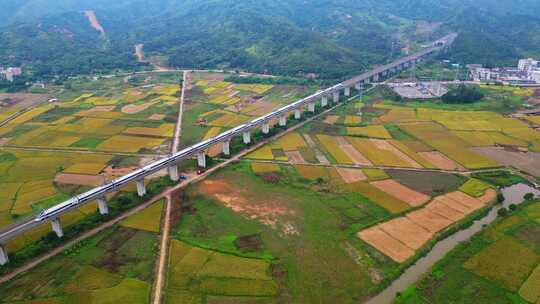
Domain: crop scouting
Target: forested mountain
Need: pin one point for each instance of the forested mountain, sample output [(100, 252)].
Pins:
[(333, 38)]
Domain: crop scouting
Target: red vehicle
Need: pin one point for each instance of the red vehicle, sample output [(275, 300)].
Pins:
[(200, 171)]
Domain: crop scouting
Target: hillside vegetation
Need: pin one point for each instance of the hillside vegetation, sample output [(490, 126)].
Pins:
[(331, 38)]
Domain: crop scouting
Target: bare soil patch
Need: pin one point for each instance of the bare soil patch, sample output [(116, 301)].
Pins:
[(386, 244), (100, 109), (139, 52), (23, 100), (470, 203), (439, 207), (351, 175), (79, 179), (448, 201), (295, 157), (528, 161), (440, 160), (402, 192), (430, 183), (91, 15), (429, 220), (407, 232), (263, 108), (136, 108), (157, 117), (268, 210)]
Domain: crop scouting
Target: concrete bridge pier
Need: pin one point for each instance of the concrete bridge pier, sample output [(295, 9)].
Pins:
[(376, 78), (173, 173), (247, 137), (324, 101), (57, 227), (347, 91), (336, 97), (141, 189), (311, 107), (297, 114), (358, 86), (102, 206), (4, 259), (201, 159), (266, 128), (283, 121), (227, 147)]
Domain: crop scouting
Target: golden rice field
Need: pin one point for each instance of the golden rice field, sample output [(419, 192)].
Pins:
[(290, 142), (148, 219), (164, 130), (534, 119), (124, 143), (352, 120), (377, 196), (229, 120), (331, 145), (212, 132), (376, 131), (377, 155), (264, 167)]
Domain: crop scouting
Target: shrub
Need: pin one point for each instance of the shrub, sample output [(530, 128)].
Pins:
[(463, 94), (502, 212), (528, 197)]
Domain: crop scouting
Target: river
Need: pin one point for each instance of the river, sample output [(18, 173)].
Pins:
[(512, 195)]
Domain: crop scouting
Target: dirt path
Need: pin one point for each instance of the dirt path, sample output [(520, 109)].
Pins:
[(91, 15), (158, 282), (165, 226)]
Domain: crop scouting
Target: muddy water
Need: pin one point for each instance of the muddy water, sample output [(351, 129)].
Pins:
[(512, 195)]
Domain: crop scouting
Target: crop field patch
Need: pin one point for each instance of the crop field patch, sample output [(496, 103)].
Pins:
[(429, 220), (350, 175), (376, 131), (382, 153), (123, 143), (263, 153), (353, 120), (202, 271), (86, 168), (506, 262), (386, 244), (397, 114), (530, 290), (379, 197), (264, 167), (407, 232), (412, 154), (148, 219), (374, 174), (401, 192), (429, 183), (164, 130), (80, 179), (290, 142), (440, 160), (331, 119), (474, 187), (529, 234), (529, 161), (331, 145), (312, 172)]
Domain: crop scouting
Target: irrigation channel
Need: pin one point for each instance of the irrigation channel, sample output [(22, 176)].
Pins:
[(512, 195)]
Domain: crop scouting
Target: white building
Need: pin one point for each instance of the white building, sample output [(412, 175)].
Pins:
[(10, 73), (527, 65)]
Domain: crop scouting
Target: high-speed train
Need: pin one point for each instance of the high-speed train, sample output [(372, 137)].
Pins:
[(139, 174)]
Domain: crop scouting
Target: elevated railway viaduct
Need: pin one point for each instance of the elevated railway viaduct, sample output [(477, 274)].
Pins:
[(52, 215)]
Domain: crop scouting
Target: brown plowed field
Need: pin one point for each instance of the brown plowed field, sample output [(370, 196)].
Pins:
[(440, 161), (351, 175), (386, 244), (469, 202), (407, 232), (429, 220), (456, 205), (437, 206), (401, 192), (295, 157), (80, 179)]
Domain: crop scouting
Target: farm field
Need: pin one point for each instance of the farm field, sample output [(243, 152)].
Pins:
[(93, 133), (498, 265), (213, 101), (114, 266)]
